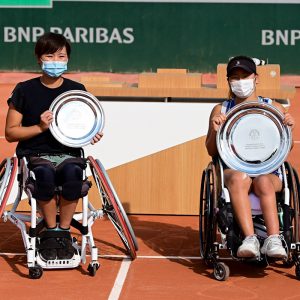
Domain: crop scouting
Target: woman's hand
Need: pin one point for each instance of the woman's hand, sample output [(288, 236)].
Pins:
[(289, 120), (46, 119), (97, 138), (217, 121)]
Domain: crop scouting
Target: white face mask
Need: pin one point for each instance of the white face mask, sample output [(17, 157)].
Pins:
[(242, 88)]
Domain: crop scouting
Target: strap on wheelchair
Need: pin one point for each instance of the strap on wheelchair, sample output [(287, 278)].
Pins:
[(225, 218), (76, 224)]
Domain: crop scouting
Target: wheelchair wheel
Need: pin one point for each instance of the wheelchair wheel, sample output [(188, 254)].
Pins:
[(221, 271), (92, 268), (8, 170), (113, 207), (207, 219), (297, 271), (293, 183), (35, 272)]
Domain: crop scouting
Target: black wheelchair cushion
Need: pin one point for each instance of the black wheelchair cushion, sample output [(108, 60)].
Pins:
[(86, 185)]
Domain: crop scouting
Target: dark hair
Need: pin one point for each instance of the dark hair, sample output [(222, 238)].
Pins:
[(50, 42)]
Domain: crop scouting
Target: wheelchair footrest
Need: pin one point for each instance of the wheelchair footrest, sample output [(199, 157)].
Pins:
[(59, 263)]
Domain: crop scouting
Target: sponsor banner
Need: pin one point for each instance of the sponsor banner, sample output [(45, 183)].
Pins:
[(137, 36), (48, 3)]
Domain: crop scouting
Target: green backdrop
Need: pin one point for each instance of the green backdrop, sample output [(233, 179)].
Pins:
[(143, 36)]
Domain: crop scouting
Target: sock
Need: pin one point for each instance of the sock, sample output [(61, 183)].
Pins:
[(51, 229), (63, 229)]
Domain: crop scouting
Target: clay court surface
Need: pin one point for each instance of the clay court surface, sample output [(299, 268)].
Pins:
[(168, 265)]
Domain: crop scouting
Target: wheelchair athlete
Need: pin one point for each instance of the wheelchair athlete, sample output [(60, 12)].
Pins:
[(242, 79), (53, 164)]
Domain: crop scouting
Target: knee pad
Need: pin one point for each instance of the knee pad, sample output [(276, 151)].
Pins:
[(44, 183), (72, 190), (43, 191)]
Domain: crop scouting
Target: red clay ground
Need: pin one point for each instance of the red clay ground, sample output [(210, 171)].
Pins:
[(158, 272)]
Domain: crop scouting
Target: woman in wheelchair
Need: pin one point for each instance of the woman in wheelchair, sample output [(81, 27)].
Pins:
[(242, 79), (53, 164)]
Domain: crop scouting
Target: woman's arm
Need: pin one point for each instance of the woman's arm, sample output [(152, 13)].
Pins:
[(216, 119), (14, 131)]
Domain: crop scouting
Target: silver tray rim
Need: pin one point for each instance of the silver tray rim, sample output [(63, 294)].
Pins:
[(265, 167), (86, 97)]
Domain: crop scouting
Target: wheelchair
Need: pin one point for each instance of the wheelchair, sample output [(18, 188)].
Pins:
[(219, 232), (31, 224)]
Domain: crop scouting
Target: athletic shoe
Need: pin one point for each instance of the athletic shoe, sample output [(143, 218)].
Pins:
[(47, 251), (67, 250), (273, 247), (249, 247)]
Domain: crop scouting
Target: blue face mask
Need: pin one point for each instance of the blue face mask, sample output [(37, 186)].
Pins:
[(54, 68)]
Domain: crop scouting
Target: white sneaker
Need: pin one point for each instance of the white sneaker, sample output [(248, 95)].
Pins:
[(249, 247), (273, 247)]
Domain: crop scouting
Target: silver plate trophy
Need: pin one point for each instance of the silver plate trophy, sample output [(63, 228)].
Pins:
[(253, 139), (77, 117)]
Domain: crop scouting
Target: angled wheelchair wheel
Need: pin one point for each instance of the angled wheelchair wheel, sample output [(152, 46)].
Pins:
[(294, 186), (112, 206), (207, 219), (8, 170)]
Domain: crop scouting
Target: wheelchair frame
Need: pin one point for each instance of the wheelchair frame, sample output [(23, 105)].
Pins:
[(214, 196), (111, 207)]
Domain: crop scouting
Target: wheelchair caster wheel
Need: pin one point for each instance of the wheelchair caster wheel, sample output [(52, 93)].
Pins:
[(92, 268), (297, 271), (35, 272), (262, 263), (289, 263), (221, 271)]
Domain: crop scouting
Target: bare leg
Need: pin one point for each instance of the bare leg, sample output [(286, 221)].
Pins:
[(67, 210), (49, 210), (265, 187), (239, 184)]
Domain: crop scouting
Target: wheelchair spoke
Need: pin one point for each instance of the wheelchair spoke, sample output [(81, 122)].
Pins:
[(113, 209), (119, 230), (110, 211), (8, 169), (207, 218)]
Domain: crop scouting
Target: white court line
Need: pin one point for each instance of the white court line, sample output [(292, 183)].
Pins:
[(119, 282), (124, 257), (9, 254), (128, 258)]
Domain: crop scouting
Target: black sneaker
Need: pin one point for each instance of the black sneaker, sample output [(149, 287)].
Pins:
[(48, 254), (67, 250), (47, 248)]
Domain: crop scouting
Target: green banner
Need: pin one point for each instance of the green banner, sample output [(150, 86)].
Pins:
[(25, 3), (144, 36)]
